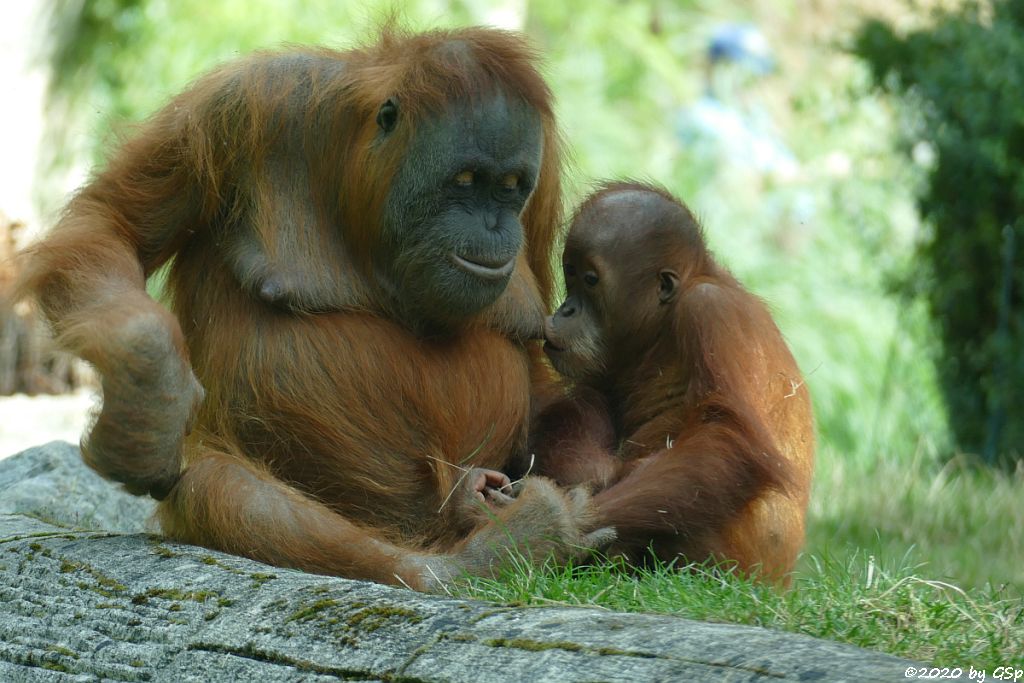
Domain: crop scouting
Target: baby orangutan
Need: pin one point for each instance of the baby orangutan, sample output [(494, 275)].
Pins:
[(688, 414)]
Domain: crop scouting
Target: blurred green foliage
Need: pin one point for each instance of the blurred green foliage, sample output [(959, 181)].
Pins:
[(963, 77)]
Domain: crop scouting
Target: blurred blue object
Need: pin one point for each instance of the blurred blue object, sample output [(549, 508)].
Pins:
[(720, 126), (741, 44)]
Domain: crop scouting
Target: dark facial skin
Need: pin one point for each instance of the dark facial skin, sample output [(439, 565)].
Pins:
[(575, 337), (619, 280), (451, 230)]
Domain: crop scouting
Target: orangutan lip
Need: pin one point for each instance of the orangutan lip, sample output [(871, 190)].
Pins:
[(550, 347), (487, 271)]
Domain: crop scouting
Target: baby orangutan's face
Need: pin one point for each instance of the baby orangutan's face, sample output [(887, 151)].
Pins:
[(576, 333), (616, 287), (575, 340)]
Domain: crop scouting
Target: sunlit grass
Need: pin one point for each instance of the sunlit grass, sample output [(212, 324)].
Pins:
[(902, 556), (888, 605), (964, 523)]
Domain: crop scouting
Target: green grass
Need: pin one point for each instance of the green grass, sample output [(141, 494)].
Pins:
[(965, 524), (901, 557), (890, 607)]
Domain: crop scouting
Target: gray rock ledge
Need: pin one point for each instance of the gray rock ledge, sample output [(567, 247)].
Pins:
[(86, 605)]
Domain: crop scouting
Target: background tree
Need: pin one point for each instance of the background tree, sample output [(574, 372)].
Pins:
[(964, 77)]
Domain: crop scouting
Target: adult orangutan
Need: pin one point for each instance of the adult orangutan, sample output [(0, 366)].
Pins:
[(689, 414), (360, 244)]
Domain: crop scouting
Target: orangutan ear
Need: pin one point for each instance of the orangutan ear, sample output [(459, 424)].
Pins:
[(387, 115), (668, 286)]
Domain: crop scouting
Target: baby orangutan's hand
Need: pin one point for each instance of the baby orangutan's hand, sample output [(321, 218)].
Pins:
[(490, 487), (477, 496)]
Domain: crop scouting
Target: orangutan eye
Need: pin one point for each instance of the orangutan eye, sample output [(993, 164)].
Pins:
[(510, 182), (569, 270), (590, 279), (464, 179)]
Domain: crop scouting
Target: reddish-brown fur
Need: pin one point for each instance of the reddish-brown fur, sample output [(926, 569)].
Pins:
[(689, 414), (329, 437)]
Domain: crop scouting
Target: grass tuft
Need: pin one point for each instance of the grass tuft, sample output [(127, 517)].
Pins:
[(858, 599)]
